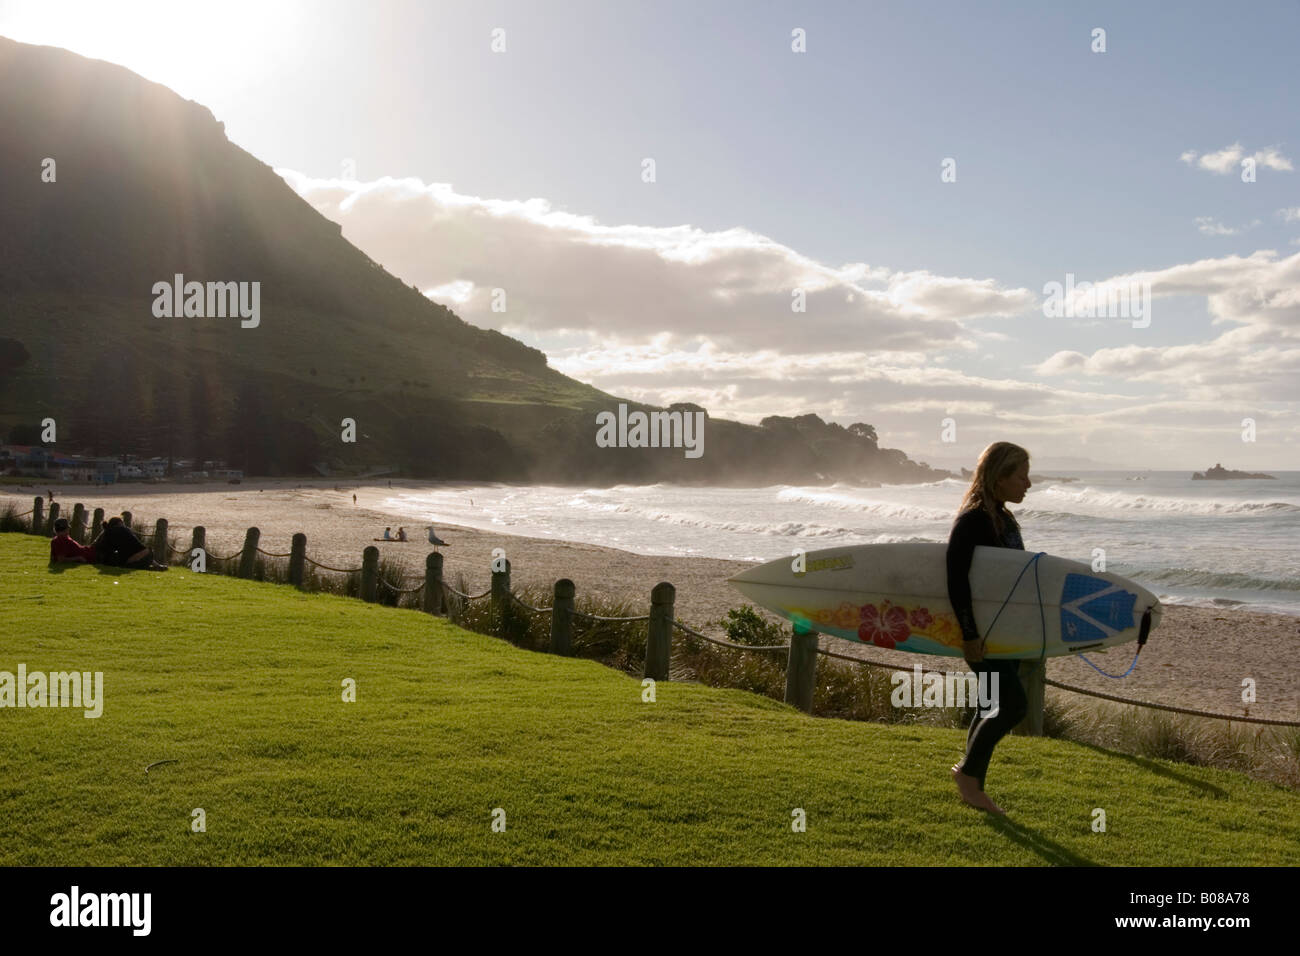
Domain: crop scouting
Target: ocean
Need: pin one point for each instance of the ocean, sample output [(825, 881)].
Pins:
[(1229, 544)]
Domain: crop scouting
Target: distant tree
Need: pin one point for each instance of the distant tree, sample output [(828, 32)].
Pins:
[(864, 431)]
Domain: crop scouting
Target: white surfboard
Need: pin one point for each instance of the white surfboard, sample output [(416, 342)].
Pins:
[(896, 596)]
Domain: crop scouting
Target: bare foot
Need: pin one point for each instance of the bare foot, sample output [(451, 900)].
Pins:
[(969, 789)]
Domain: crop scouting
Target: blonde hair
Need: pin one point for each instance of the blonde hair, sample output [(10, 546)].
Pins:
[(1000, 460)]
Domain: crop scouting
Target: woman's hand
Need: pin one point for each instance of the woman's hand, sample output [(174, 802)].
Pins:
[(973, 651)]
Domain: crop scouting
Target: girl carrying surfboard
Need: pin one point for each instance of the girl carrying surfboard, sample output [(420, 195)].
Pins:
[(1001, 476)]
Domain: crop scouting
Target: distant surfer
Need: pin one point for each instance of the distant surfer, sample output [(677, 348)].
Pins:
[(1001, 476)]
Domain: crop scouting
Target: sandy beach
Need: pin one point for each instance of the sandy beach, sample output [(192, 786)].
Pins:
[(1197, 658)]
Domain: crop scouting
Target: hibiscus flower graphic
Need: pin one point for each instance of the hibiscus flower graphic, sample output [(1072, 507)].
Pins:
[(884, 626)]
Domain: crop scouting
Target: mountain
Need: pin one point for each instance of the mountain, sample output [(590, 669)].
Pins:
[(112, 186)]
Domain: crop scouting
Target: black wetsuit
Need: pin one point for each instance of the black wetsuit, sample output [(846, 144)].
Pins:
[(973, 528), (117, 545)]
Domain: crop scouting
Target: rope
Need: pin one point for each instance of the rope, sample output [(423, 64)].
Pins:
[(597, 617), (397, 590), (535, 610), (1175, 710), (725, 643), (870, 663), (467, 597), (328, 568), (275, 554)]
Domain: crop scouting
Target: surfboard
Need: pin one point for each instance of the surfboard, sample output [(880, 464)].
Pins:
[(896, 596)]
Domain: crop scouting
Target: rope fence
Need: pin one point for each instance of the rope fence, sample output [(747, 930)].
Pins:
[(803, 648), (462, 594)]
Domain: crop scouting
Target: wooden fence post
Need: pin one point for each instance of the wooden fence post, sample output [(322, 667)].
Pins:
[(369, 573), (434, 597), (52, 517), (78, 531), (501, 598), (126, 519), (1032, 675), (562, 618), (298, 559), (38, 514), (160, 549), (248, 559), (198, 539), (801, 669), (96, 524), (658, 648)]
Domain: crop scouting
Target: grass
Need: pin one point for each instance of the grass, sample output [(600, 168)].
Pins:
[(240, 683)]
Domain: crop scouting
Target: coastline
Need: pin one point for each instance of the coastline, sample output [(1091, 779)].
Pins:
[(1197, 658)]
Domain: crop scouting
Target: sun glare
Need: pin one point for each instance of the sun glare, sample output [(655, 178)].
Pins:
[(190, 47)]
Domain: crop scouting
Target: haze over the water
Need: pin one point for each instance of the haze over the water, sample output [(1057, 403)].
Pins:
[(654, 184)]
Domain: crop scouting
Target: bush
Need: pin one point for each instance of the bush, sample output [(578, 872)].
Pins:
[(744, 626)]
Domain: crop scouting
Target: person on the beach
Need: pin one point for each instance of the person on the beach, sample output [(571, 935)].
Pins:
[(388, 534), (401, 534), (354, 500), (63, 550), (1001, 476), (117, 545)]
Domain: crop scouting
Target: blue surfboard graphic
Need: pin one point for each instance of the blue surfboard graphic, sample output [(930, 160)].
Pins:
[(1093, 609)]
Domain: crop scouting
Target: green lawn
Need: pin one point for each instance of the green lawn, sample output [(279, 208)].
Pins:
[(240, 683)]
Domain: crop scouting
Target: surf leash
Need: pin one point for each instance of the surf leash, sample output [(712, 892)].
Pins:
[(1042, 614), (1143, 634)]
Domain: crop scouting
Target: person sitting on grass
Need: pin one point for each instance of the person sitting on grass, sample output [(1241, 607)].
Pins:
[(63, 550), (118, 546)]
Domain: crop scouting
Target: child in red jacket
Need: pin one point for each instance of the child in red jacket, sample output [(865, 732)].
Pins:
[(63, 550)]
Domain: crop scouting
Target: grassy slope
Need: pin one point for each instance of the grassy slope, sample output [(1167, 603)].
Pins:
[(241, 683)]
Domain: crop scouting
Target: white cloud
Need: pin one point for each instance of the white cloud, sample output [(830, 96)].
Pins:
[(566, 272), (1290, 214), (1209, 226), (1229, 159), (1258, 360)]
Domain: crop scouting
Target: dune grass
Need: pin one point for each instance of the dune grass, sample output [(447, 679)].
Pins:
[(240, 684)]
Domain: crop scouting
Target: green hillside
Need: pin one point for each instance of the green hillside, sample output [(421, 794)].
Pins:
[(240, 684)]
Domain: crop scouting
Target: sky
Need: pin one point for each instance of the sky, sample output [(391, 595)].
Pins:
[(855, 210)]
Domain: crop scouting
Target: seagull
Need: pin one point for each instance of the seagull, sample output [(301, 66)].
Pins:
[(433, 537)]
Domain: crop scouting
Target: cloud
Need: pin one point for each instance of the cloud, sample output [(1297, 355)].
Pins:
[(564, 273), (1229, 158), (1290, 214), (1209, 226), (1258, 360)]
